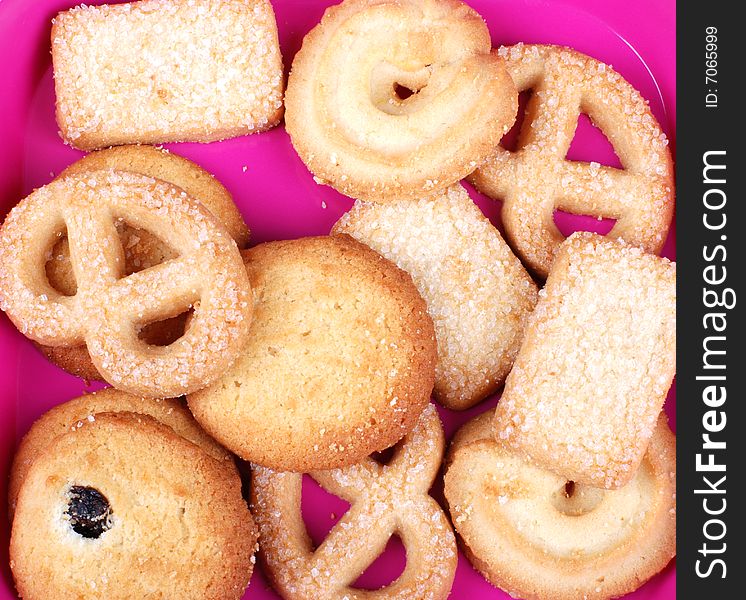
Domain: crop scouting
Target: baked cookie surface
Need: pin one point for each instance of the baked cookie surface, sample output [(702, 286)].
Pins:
[(389, 100), (142, 249), (204, 70), (477, 292), (537, 179), (339, 363), (536, 535), (125, 508), (110, 307), (597, 360), (168, 166), (385, 500), (74, 413)]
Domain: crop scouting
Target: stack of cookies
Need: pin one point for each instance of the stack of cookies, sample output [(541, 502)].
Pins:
[(309, 356)]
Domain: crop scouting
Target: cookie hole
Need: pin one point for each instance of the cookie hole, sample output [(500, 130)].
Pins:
[(575, 500), (569, 489), (320, 509), (402, 92), (384, 456), (590, 144), (88, 511), (58, 268), (142, 249), (165, 332), (386, 568), (510, 139), (569, 223)]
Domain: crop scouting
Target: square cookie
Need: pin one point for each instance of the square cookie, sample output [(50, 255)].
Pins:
[(596, 363)]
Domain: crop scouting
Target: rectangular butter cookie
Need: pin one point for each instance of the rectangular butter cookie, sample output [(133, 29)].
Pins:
[(477, 292), (166, 70), (596, 363)]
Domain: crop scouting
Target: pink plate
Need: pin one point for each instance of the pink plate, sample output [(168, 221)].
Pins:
[(280, 200)]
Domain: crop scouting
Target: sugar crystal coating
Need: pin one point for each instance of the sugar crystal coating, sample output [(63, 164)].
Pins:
[(477, 292), (142, 249), (536, 179), (596, 363), (108, 308), (385, 500), (166, 70)]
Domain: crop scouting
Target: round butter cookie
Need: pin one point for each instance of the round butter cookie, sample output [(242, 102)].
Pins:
[(339, 363), (122, 507), (142, 249), (536, 535), (72, 414), (389, 100)]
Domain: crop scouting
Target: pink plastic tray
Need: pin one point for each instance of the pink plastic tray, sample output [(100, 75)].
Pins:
[(279, 199)]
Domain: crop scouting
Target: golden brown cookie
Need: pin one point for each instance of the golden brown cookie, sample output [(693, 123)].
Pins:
[(142, 249), (110, 307), (385, 500), (536, 179), (123, 507), (390, 100), (203, 70), (339, 363), (477, 292), (72, 414), (537, 535), (596, 363)]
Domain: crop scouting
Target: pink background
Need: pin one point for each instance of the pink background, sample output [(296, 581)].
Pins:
[(279, 199)]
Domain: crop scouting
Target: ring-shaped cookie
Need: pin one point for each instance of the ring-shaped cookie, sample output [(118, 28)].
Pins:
[(536, 179), (536, 535), (349, 120), (108, 309)]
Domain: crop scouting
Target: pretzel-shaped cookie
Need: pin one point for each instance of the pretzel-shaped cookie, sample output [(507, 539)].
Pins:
[(141, 248), (537, 178), (107, 309), (354, 128), (384, 500), (536, 535)]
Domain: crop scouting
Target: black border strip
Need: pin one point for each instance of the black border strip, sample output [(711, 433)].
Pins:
[(710, 254)]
